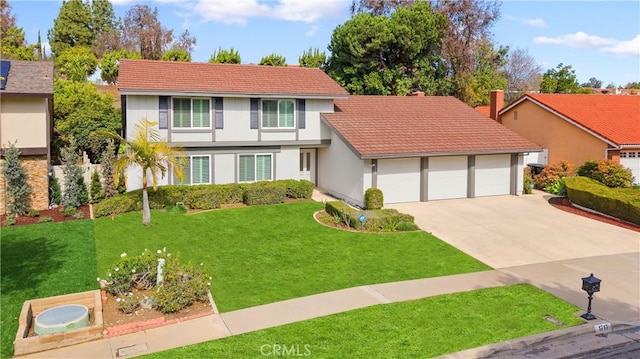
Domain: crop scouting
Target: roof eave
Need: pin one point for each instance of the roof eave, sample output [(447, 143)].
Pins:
[(449, 153), (228, 94)]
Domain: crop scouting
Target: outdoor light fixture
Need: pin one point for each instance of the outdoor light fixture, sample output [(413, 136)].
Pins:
[(590, 285)]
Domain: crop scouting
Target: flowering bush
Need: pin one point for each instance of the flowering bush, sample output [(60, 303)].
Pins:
[(607, 172), (552, 173), (182, 284), (127, 303)]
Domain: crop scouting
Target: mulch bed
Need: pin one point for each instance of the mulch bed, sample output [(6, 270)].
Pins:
[(564, 204), (54, 213)]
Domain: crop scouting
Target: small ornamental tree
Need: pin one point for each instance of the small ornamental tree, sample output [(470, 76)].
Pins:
[(75, 191), (55, 194), (97, 194), (16, 187), (106, 162), (607, 172)]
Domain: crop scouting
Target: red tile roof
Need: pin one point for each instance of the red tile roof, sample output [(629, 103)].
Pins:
[(615, 118), (381, 126), (169, 76)]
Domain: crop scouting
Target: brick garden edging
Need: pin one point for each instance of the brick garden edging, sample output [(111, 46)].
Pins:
[(123, 329)]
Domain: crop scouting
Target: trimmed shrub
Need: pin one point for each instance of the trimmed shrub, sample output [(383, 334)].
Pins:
[(55, 193), (622, 203), (297, 189), (527, 180), (552, 173), (607, 172), (45, 219), (96, 192), (377, 220), (373, 198), (264, 193), (207, 196), (407, 226)]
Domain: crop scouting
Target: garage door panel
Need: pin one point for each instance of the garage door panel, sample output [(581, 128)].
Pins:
[(634, 165), (399, 179), (447, 177), (493, 175)]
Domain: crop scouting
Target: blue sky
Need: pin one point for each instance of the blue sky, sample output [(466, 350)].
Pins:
[(597, 38)]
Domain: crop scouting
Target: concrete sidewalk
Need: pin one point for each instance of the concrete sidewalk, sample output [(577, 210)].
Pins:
[(276, 314)]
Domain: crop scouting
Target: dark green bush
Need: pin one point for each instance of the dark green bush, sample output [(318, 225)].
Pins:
[(558, 188), (95, 187), (45, 219), (373, 198), (607, 172), (264, 193), (207, 196), (622, 203), (527, 180), (33, 213), (376, 220), (407, 226)]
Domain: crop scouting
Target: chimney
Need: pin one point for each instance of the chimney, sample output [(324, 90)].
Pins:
[(418, 93), (497, 103)]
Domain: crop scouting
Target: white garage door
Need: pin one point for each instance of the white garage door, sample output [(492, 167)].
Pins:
[(447, 177), (399, 179), (631, 160), (493, 175)]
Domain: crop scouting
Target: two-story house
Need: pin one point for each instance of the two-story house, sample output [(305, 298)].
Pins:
[(26, 119), (246, 123)]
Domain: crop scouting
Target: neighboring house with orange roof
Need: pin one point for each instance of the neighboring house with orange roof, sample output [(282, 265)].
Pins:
[(578, 128), (26, 119), (246, 123)]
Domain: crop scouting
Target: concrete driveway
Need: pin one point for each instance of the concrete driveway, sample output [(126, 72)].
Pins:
[(552, 249)]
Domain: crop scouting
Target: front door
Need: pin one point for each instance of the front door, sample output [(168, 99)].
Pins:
[(307, 164)]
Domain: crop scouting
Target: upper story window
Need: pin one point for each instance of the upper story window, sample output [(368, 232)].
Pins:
[(278, 114), (191, 113)]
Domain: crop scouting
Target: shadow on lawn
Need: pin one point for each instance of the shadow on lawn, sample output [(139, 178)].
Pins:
[(28, 263)]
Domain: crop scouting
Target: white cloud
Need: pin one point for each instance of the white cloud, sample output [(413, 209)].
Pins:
[(239, 11), (579, 39), (312, 31), (631, 47), (536, 22)]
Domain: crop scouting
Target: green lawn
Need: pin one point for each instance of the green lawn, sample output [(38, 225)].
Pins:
[(41, 261), (416, 329), (264, 254)]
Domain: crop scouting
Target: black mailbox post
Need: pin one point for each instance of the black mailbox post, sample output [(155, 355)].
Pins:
[(590, 285)]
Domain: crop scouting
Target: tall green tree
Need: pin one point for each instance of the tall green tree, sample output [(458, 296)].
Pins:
[(377, 7), (223, 56), (17, 189), (561, 79), (593, 83), (312, 58), (109, 64), (79, 111), (72, 27), (485, 76), (76, 63), (12, 39), (153, 155), (105, 26), (390, 55), (273, 59), (176, 54)]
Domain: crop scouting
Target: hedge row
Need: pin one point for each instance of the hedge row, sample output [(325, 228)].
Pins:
[(207, 196), (622, 203), (376, 220)]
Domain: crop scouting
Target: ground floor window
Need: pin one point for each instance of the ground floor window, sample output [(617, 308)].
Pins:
[(197, 170), (254, 168)]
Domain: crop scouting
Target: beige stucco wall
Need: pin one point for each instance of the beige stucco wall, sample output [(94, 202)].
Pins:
[(563, 140), (24, 120)]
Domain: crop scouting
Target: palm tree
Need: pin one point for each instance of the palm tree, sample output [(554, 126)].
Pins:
[(154, 155)]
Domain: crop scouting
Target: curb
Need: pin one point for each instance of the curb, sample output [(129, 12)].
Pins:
[(520, 344)]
